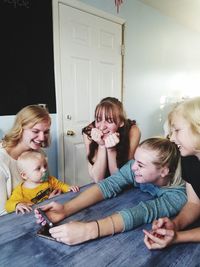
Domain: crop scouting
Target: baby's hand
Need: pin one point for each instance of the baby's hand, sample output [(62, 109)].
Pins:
[(23, 207), (55, 192), (55, 212), (74, 188), (40, 219), (112, 140)]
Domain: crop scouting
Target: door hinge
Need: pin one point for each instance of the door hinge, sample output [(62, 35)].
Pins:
[(122, 49)]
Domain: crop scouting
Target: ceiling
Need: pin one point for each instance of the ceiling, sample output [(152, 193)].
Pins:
[(186, 12)]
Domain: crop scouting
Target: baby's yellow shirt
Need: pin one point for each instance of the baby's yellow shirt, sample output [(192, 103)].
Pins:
[(35, 195)]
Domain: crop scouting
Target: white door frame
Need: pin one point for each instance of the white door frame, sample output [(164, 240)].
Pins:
[(57, 66)]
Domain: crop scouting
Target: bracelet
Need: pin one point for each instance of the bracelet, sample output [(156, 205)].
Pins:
[(98, 229), (113, 225)]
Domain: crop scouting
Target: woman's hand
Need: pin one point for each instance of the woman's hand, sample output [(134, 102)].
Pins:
[(54, 211), (97, 136), (158, 239), (112, 140), (164, 222), (23, 207), (74, 232), (162, 235)]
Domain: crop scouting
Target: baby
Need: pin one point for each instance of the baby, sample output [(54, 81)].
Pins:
[(37, 185)]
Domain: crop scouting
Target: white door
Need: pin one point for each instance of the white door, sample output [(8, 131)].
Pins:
[(91, 68)]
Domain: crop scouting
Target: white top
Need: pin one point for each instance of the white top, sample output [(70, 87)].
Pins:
[(9, 177)]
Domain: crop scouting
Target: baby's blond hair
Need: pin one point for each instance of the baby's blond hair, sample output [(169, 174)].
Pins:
[(28, 156)]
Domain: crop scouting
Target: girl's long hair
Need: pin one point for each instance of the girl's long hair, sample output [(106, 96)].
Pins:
[(113, 110)]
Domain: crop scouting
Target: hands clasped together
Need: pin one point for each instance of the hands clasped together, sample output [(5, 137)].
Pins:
[(163, 233), (109, 140)]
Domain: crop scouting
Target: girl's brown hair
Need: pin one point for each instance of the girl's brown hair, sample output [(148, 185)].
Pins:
[(114, 111)]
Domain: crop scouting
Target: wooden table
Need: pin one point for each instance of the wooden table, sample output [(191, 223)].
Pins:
[(20, 247)]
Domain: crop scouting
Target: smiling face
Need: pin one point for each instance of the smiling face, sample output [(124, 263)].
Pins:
[(181, 135), (33, 137), (145, 170), (184, 122), (109, 116), (29, 123), (106, 124)]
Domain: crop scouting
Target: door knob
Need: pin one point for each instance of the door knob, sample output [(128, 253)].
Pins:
[(70, 132)]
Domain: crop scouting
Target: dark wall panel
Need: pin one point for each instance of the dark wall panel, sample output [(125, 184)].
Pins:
[(26, 55)]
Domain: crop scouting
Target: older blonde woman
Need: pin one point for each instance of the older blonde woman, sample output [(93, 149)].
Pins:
[(184, 122), (30, 131)]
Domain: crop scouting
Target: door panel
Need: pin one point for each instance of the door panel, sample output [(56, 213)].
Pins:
[(91, 68)]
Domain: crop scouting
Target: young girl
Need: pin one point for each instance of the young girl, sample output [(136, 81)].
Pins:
[(110, 140), (184, 122), (154, 170), (30, 131), (37, 185)]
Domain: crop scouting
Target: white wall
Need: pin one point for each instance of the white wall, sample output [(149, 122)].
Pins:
[(162, 62)]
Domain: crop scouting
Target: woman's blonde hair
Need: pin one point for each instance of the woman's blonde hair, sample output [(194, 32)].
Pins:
[(190, 111), (167, 155), (28, 116)]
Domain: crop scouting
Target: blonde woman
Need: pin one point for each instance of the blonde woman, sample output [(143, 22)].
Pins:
[(30, 131), (184, 124), (155, 170)]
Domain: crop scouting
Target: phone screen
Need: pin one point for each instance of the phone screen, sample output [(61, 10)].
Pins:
[(44, 232)]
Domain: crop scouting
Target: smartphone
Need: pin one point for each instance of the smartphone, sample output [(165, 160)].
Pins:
[(48, 222), (44, 232)]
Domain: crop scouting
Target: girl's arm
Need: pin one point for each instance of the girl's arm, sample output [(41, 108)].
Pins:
[(112, 161), (108, 188), (167, 234), (134, 137), (98, 169), (168, 230), (168, 204), (190, 212), (188, 236), (78, 232), (57, 212)]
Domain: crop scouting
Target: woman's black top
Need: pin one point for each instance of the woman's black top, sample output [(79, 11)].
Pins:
[(191, 172), (122, 147)]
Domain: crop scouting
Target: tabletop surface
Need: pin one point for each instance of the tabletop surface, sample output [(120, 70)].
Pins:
[(21, 247)]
